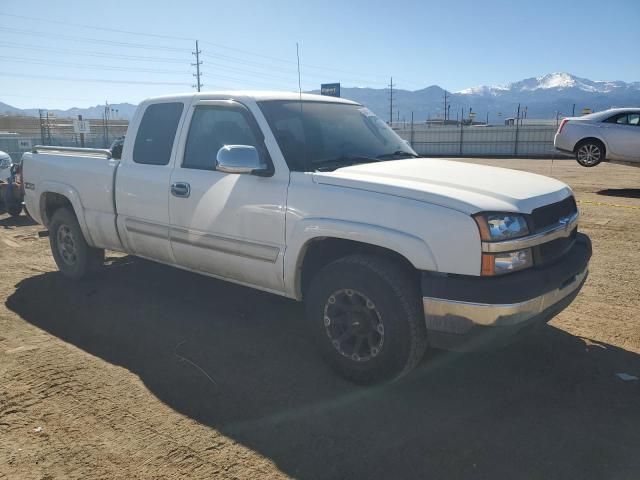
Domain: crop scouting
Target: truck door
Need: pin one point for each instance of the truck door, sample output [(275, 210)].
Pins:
[(142, 182), (227, 224)]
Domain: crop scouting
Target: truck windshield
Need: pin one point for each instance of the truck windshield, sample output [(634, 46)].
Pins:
[(316, 135)]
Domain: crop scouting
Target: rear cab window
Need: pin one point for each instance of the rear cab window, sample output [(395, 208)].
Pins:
[(156, 133)]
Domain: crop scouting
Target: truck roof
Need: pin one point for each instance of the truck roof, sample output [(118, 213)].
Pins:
[(256, 95)]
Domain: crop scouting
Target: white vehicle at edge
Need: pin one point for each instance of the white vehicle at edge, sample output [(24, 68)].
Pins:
[(316, 199), (610, 135)]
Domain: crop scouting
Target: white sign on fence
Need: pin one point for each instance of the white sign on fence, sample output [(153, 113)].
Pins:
[(81, 126), (24, 144)]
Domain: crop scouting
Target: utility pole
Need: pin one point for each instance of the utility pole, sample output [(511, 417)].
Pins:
[(41, 114), (446, 109), (48, 129), (197, 53), (573, 112), (391, 85), (106, 122)]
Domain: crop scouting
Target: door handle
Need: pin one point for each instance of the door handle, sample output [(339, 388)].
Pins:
[(180, 189)]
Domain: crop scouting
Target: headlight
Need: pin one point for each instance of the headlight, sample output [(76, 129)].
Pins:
[(506, 262), (501, 226), (496, 227)]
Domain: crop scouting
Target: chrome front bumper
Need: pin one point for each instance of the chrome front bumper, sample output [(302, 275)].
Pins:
[(454, 316)]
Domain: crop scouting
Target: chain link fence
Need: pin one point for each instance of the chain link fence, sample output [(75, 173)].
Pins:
[(19, 134), (480, 141)]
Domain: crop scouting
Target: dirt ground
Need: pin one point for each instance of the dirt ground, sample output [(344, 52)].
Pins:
[(152, 372)]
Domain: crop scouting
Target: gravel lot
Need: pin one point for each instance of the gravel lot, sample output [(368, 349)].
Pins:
[(151, 372)]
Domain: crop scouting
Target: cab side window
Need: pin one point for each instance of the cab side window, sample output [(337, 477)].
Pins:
[(157, 130), (211, 129)]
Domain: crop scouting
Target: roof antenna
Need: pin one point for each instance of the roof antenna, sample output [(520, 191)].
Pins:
[(299, 83)]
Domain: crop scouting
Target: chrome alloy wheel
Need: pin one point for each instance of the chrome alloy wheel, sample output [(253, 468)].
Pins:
[(354, 325), (67, 245), (589, 154)]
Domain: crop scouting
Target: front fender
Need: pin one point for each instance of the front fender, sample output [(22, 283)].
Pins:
[(413, 248), (70, 194)]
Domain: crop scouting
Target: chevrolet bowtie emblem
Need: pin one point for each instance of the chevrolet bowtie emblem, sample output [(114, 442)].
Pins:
[(564, 220)]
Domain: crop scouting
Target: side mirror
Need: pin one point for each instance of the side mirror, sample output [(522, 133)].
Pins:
[(239, 159)]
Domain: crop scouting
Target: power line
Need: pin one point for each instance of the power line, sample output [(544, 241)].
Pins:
[(74, 38), (92, 66), (167, 48), (95, 27), (93, 53), (96, 80)]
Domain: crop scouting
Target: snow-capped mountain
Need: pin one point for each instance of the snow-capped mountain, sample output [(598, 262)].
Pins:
[(552, 81), (542, 97)]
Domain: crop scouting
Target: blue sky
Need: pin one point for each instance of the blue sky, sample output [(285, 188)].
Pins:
[(252, 44)]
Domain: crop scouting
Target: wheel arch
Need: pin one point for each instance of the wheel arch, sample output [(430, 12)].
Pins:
[(55, 196), (580, 142), (320, 243)]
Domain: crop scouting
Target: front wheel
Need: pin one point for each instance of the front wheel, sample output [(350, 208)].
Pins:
[(590, 153), (366, 317), (75, 258)]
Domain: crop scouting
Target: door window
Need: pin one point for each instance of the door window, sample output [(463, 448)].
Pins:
[(156, 133), (211, 129), (625, 119)]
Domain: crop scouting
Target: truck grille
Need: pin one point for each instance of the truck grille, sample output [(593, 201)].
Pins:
[(546, 216), (550, 214)]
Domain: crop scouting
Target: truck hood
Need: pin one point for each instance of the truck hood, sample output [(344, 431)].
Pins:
[(465, 187)]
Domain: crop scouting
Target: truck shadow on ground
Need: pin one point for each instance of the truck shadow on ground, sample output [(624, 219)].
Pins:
[(620, 192), (550, 407), (19, 221)]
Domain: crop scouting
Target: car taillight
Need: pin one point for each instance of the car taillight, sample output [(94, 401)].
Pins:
[(562, 124)]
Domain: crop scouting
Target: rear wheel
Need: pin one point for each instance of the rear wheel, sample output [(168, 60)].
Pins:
[(73, 255), (590, 153), (366, 317), (12, 200)]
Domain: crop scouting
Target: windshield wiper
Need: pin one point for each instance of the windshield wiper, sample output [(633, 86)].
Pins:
[(398, 154), (344, 161)]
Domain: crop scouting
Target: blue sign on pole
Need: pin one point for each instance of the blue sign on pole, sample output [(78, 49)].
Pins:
[(330, 89)]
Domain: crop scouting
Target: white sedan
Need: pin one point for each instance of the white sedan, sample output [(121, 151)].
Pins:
[(610, 135)]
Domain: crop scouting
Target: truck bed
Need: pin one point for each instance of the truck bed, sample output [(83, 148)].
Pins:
[(86, 176)]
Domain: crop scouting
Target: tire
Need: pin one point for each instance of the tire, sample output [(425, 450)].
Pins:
[(382, 303), (74, 257), (14, 208), (590, 153)]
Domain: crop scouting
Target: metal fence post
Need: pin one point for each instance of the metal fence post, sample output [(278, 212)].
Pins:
[(411, 137), (461, 130), (515, 147)]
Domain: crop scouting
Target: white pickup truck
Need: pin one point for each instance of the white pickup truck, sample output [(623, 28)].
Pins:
[(316, 199)]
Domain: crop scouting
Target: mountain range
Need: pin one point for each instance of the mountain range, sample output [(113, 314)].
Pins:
[(543, 97)]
